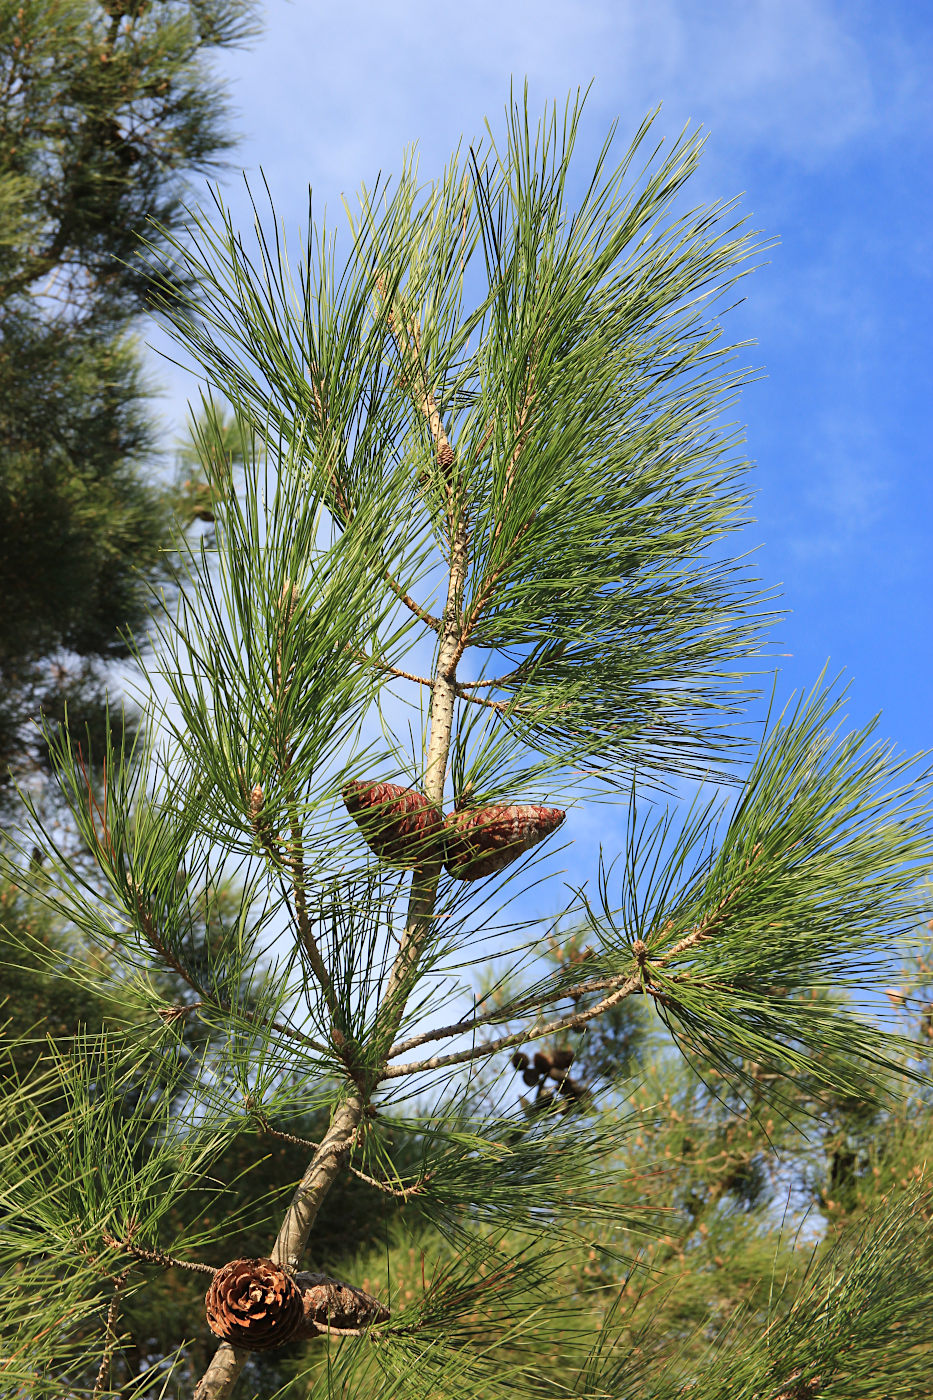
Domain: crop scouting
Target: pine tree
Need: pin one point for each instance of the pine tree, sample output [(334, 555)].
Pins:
[(478, 569), (106, 111)]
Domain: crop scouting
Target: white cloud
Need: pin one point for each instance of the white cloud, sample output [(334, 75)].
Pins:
[(334, 93), (847, 498)]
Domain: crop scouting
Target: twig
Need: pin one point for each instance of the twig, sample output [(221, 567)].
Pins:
[(425, 399), (512, 706), (110, 1334), (170, 1013), (295, 862), (346, 507), (147, 923), (390, 670), (420, 612), (505, 1042), (497, 680), (401, 1193), (485, 594), (156, 1256), (500, 705)]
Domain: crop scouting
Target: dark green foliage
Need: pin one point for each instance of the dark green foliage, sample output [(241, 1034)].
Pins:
[(106, 111)]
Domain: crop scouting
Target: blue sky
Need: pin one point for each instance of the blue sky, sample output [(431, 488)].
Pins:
[(819, 116)]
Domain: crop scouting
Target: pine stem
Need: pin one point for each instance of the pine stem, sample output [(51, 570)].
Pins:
[(325, 1166)]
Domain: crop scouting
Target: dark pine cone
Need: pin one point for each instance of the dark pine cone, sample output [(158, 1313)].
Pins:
[(254, 1304)]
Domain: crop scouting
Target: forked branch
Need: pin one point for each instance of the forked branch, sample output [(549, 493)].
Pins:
[(618, 987)]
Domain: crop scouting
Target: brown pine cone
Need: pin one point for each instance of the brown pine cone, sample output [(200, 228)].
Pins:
[(531, 1077), (519, 1060), (542, 1063), (399, 824), (561, 1060), (254, 1304), (445, 456), (487, 839), (332, 1306)]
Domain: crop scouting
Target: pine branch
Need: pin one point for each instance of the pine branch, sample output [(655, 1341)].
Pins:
[(406, 333), (576, 547), (110, 1334), (334, 1149), (156, 1256)]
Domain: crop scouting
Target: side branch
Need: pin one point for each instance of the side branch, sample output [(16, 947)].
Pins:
[(303, 922), (416, 378), (389, 670), (482, 599), (295, 862), (346, 508), (522, 429), (176, 1013), (419, 612), (157, 1256), (402, 1193), (496, 680), (620, 986), (573, 1021)]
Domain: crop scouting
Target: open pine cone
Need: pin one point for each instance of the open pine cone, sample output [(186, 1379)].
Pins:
[(254, 1304), (487, 839), (399, 824)]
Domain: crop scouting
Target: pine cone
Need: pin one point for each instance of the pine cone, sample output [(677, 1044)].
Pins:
[(542, 1063), (399, 824), (445, 456), (332, 1306), (487, 839), (572, 1089), (254, 1304)]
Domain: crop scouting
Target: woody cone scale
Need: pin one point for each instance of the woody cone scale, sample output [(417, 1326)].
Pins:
[(254, 1304), (484, 840), (399, 824)]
